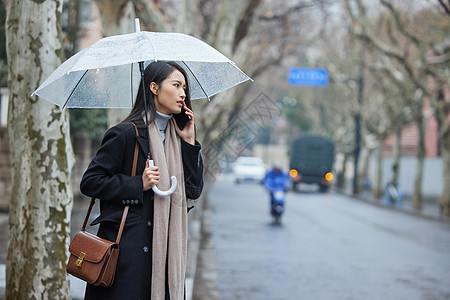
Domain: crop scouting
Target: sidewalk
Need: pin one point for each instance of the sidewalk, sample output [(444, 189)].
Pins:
[(430, 210), (206, 275)]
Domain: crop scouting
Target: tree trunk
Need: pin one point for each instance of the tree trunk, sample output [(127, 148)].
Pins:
[(341, 175), (444, 201), (184, 19), (396, 156), (41, 156), (117, 16), (363, 169), (223, 32), (150, 16), (377, 188), (417, 196)]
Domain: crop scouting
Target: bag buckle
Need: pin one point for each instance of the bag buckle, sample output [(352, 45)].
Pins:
[(79, 262)]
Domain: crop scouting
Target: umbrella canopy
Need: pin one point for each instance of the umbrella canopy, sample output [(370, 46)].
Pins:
[(106, 74)]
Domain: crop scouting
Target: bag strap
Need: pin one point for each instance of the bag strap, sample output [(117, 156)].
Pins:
[(127, 207)]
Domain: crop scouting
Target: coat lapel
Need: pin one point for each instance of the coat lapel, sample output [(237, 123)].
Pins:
[(143, 145), (142, 139)]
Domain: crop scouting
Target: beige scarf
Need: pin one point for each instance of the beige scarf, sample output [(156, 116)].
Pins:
[(170, 216)]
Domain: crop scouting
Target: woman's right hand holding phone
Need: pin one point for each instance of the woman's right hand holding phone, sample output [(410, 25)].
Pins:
[(150, 177)]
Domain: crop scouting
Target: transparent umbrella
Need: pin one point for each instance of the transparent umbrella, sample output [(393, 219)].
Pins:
[(107, 75)]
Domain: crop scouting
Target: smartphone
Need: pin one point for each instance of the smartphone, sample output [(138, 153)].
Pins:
[(182, 119)]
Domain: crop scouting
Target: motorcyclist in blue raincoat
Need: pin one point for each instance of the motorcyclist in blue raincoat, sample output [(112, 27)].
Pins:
[(275, 180)]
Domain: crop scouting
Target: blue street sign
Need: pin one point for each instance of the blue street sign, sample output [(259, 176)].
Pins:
[(308, 76)]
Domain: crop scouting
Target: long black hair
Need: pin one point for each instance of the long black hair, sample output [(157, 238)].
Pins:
[(155, 72)]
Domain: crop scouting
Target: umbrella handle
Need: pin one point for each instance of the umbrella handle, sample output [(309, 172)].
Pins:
[(172, 187)]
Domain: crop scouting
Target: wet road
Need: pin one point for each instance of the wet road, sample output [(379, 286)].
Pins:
[(328, 247)]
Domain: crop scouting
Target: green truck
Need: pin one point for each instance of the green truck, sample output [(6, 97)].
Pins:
[(311, 161)]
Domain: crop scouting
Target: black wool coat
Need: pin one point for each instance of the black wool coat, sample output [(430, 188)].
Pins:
[(109, 179)]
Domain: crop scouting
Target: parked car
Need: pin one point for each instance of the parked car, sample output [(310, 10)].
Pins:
[(249, 168)]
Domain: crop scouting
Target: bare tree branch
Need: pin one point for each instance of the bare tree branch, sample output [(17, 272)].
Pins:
[(445, 6), (363, 33), (294, 10), (400, 24)]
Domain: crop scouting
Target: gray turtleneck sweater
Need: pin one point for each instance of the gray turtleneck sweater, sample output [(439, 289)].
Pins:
[(162, 120)]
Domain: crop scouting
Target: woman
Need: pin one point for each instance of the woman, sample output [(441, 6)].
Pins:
[(152, 257)]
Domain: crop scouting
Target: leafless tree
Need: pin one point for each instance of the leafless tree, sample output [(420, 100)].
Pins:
[(408, 52)]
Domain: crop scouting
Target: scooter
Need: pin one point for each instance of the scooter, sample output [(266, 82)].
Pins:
[(278, 198)]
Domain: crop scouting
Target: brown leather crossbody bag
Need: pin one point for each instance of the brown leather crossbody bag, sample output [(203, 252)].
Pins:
[(92, 258)]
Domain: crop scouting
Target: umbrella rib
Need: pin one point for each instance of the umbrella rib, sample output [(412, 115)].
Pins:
[(73, 90), (197, 81)]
